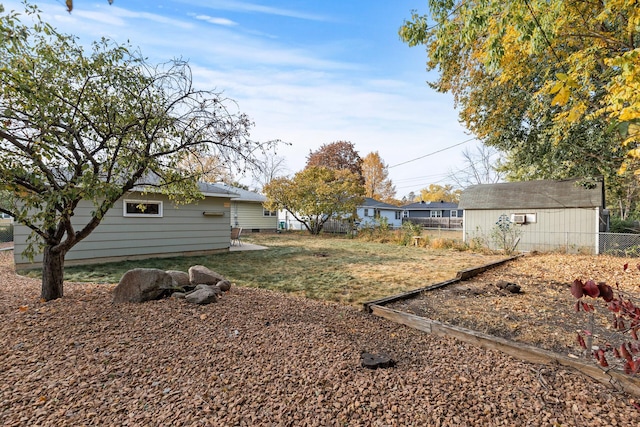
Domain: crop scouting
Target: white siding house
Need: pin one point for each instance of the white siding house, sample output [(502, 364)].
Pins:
[(145, 225), (371, 212), (549, 215)]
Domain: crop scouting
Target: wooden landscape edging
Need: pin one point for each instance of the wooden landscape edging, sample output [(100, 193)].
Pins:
[(521, 351), (526, 352), (460, 276)]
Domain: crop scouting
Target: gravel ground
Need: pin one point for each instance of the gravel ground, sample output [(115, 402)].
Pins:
[(259, 358)]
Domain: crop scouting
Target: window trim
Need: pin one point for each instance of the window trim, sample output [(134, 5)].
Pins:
[(160, 213), (268, 214), (454, 213)]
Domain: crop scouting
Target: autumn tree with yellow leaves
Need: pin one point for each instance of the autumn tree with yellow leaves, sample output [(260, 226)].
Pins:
[(377, 184), (554, 85)]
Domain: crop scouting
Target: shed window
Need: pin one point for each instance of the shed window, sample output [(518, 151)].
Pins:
[(436, 214), (267, 212), (454, 214), (142, 208)]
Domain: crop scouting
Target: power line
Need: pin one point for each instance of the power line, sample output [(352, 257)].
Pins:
[(431, 154)]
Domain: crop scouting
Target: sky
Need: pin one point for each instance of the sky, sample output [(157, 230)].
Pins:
[(307, 72)]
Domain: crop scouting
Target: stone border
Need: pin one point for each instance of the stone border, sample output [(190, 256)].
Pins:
[(526, 352)]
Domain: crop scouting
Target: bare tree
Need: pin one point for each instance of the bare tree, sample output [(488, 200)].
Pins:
[(480, 167), (268, 167)]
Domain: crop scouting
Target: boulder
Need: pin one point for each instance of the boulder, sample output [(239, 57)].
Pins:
[(181, 278), (224, 285), (199, 274), (178, 295), (203, 295), (142, 284)]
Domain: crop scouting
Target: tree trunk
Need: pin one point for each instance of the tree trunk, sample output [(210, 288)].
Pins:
[(52, 274)]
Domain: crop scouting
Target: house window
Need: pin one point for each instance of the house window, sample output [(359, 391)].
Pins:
[(436, 214), (454, 214), (142, 208), (366, 212), (376, 213), (399, 215), (267, 212), (405, 214)]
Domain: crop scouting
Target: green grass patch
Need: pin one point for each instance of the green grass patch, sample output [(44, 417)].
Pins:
[(327, 268)]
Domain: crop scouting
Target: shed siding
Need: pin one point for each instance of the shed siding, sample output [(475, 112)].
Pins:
[(566, 229), (250, 215), (181, 229)]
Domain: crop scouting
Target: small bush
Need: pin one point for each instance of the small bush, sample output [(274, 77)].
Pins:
[(442, 243), (617, 225)]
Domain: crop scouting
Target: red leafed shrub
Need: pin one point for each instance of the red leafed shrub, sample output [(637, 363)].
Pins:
[(625, 318)]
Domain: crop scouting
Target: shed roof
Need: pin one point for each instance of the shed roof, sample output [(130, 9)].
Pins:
[(541, 194), (373, 203)]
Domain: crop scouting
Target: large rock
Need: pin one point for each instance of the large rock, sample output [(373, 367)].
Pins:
[(181, 278), (142, 284), (224, 285), (201, 275), (203, 294)]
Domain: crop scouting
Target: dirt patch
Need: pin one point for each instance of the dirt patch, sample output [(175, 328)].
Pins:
[(542, 313)]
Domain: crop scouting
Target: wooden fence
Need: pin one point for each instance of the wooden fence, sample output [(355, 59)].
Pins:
[(436, 222)]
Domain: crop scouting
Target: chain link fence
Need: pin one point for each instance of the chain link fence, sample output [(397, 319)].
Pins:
[(620, 244), (6, 233), (617, 244)]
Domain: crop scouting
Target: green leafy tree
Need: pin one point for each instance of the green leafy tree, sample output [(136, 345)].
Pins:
[(315, 195), (91, 126), (555, 86)]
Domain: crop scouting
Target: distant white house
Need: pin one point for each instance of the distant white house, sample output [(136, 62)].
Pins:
[(369, 213), (372, 212), (248, 212)]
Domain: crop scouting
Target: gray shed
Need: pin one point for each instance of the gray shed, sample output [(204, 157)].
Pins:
[(546, 215), (146, 225)]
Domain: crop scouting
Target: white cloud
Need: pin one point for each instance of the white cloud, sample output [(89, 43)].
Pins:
[(216, 21), (246, 7)]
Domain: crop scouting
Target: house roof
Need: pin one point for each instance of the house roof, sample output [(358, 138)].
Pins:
[(216, 190), (373, 203), (207, 189), (533, 194), (421, 206), (242, 195)]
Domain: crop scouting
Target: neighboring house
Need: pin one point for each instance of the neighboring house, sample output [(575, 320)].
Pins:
[(286, 221), (248, 212), (372, 211), (434, 214), (551, 215), (5, 218), (146, 225)]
